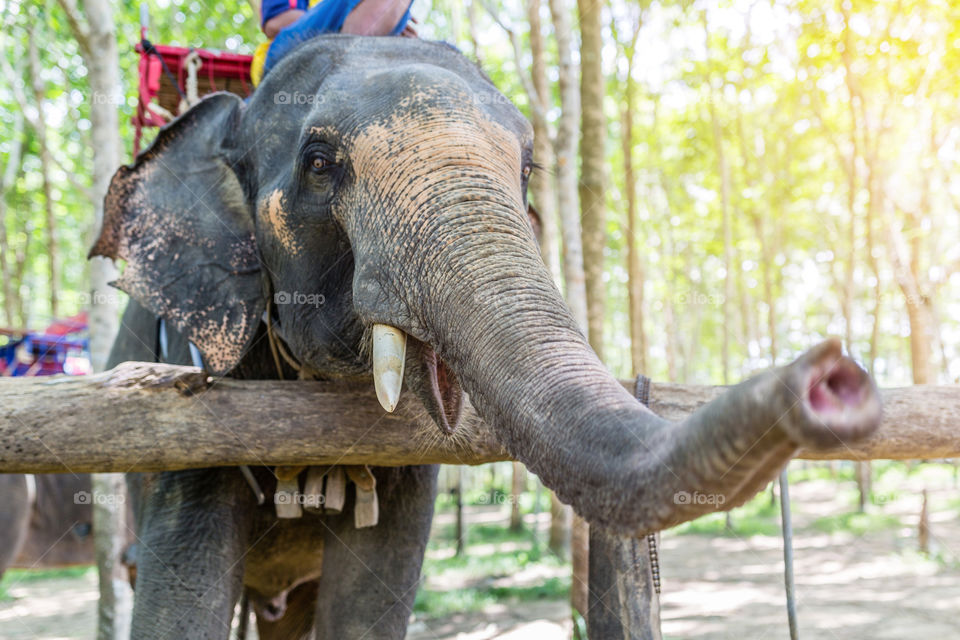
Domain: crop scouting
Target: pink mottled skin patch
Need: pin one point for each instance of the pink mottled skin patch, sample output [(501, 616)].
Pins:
[(275, 217)]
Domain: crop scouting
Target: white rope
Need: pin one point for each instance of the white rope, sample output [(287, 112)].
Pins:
[(192, 63)]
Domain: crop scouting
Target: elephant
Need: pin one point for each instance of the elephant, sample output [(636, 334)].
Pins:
[(46, 521), (364, 214)]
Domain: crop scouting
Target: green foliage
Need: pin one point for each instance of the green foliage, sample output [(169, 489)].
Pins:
[(759, 517), (25, 576), (492, 553), (856, 523)]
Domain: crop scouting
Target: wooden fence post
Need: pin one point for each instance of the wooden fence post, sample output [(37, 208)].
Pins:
[(623, 603)]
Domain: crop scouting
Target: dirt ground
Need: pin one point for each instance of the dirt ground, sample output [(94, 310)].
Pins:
[(849, 587)]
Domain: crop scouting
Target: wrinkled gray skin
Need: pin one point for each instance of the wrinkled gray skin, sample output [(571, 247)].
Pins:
[(16, 503), (389, 176), (42, 525)]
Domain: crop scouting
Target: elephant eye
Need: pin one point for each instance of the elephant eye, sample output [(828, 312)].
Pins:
[(526, 171), (319, 163)]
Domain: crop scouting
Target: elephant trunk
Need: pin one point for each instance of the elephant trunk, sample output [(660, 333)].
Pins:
[(463, 273), (500, 323)]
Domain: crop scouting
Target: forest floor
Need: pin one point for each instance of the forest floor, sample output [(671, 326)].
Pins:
[(858, 576)]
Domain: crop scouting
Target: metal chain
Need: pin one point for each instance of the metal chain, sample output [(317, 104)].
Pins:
[(641, 392)]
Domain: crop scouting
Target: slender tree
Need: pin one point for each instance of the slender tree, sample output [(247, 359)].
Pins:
[(518, 484), (566, 153), (10, 171), (593, 138), (460, 530), (724, 174), (542, 186), (96, 37), (535, 85), (39, 89), (635, 271)]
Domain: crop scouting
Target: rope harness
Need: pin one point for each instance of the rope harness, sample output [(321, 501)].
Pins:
[(193, 63)]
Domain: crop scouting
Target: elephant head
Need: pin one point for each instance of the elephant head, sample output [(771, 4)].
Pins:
[(375, 190)]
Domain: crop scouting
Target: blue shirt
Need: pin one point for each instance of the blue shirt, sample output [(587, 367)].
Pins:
[(327, 16)]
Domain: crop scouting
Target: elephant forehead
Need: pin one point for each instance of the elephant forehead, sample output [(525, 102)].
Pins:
[(419, 133), (378, 93)]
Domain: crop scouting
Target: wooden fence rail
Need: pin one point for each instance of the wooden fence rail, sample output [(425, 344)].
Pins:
[(151, 417)]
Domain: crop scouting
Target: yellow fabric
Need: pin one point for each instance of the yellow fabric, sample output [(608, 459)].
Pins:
[(259, 59)]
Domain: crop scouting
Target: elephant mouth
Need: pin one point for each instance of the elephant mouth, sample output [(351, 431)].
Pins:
[(435, 384), (445, 390)]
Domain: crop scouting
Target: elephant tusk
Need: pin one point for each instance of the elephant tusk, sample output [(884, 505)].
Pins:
[(389, 355)]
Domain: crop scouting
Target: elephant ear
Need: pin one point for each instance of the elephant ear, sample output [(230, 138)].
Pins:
[(179, 217)]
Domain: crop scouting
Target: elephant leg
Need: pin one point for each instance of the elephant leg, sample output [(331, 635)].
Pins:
[(370, 575), (16, 502), (194, 534), (297, 621)]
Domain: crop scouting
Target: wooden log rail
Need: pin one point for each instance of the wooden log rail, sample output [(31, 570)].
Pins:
[(151, 417)]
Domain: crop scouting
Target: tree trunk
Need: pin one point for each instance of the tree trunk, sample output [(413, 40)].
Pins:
[(724, 175), (537, 493), (635, 275), (875, 269), (40, 97), (767, 256), (96, 37), (460, 530), (110, 532), (561, 517), (566, 152), (542, 187), (102, 62), (19, 271), (593, 139), (863, 474), (517, 485), (10, 171), (580, 553), (923, 528), (472, 28), (623, 601), (921, 345), (670, 318)]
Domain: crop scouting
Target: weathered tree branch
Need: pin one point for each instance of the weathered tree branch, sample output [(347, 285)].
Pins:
[(149, 417)]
